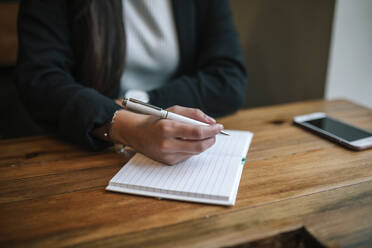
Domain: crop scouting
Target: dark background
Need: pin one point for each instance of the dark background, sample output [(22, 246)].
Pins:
[(285, 45)]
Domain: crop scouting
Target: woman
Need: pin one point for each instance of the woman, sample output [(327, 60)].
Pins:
[(78, 57)]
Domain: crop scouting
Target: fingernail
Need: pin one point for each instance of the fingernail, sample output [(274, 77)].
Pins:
[(220, 126)]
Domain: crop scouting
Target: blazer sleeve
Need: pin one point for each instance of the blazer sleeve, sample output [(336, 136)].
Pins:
[(44, 76), (217, 84)]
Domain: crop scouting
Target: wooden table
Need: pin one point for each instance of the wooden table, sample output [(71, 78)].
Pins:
[(52, 193)]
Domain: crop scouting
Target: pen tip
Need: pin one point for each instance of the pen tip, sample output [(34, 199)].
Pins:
[(225, 133)]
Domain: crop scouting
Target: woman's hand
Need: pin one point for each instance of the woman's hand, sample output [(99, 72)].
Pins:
[(165, 140)]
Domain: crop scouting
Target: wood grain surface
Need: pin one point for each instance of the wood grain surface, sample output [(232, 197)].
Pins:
[(52, 193)]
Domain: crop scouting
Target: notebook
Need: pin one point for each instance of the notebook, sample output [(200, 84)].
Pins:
[(211, 177)]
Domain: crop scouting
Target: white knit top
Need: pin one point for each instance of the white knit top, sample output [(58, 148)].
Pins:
[(152, 53)]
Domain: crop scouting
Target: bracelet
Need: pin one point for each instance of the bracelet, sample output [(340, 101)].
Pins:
[(108, 126)]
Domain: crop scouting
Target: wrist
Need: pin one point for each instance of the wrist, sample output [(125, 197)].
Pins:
[(104, 132), (108, 127), (125, 127)]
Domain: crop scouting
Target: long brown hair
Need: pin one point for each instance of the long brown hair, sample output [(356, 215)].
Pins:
[(98, 39)]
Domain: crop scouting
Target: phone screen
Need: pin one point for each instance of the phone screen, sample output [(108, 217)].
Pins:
[(339, 129)]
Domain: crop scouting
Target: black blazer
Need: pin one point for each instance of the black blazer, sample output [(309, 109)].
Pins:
[(211, 75)]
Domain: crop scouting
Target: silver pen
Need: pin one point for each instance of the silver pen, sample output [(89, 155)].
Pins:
[(145, 108)]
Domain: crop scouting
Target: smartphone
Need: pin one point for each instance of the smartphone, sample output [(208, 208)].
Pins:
[(340, 132)]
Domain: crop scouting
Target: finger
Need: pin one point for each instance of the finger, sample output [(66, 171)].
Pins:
[(194, 132), (192, 113), (191, 147), (175, 129)]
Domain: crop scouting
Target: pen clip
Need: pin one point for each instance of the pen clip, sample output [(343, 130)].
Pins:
[(140, 102)]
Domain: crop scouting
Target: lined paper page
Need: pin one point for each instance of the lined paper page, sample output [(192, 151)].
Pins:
[(211, 175), (234, 145), (204, 176)]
